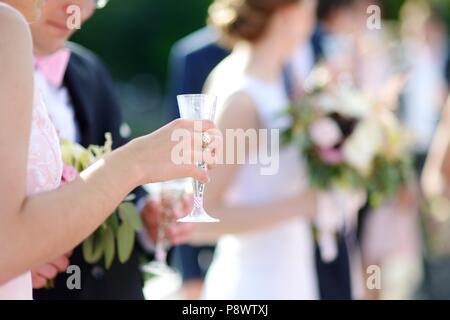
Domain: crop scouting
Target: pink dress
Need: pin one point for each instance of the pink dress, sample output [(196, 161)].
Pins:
[(43, 174)]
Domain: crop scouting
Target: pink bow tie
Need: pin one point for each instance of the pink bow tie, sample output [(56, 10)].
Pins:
[(54, 67)]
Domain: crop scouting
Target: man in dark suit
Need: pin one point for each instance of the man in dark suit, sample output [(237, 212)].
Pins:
[(80, 98), (192, 60), (96, 111)]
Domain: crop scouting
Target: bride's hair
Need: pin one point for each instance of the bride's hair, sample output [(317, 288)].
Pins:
[(243, 19)]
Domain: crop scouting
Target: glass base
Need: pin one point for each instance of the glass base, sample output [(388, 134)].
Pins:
[(198, 215), (159, 268)]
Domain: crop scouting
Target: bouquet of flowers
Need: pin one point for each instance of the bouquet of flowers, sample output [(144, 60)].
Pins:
[(348, 139), (121, 226)]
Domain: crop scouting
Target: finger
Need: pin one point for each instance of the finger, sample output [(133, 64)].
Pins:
[(152, 233), (192, 171), (201, 125), (202, 156), (180, 239), (197, 141), (150, 212), (152, 204), (48, 271), (199, 175), (187, 203), (188, 199), (209, 139), (207, 125), (61, 264), (179, 230), (38, 281), (179, 213), (212, 166), (215, 138), (209, 158), (182, 235)]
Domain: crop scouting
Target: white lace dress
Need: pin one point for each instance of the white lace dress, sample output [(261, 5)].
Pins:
[(43, 174)]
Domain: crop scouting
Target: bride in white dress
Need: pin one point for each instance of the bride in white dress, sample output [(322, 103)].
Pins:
[(265, 246)]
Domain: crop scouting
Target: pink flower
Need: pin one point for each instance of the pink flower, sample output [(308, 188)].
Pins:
[(325, 133), (331, 156), (69, 174)]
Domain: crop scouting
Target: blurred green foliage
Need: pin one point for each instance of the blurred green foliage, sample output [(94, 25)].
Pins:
[(135, 36)]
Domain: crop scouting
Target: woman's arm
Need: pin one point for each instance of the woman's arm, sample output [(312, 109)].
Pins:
[(240, 113), (436, 174), (36, 229)]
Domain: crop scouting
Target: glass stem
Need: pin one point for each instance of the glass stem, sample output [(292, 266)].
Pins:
[(160, 251), (199, 188)]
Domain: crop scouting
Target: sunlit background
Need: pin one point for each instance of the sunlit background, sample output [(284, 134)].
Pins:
[(134, 39)]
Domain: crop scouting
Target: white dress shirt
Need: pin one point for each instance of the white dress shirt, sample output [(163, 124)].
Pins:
[(60, 108)]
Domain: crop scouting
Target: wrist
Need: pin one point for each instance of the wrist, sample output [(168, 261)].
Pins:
[(128, 161)]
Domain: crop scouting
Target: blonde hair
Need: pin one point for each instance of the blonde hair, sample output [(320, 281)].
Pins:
[(243, 19)]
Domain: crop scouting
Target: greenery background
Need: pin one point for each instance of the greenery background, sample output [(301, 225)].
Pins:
[(134, 38)]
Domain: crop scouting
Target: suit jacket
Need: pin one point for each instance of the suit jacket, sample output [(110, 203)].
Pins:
[(192, 60), (97, 111)]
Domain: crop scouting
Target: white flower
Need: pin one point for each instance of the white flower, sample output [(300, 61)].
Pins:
[(326, 102), (325, 133), (362, 146), (345, 101), (317, 79), (352, 103)]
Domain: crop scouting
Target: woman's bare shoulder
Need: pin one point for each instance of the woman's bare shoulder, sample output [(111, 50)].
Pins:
[(15, 42), (13, 27), (16, 55), (236, 107)]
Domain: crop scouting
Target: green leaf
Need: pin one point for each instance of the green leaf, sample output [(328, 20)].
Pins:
[(113, 222), (93, 247), (128, 212), (109, 245), (125, 241)]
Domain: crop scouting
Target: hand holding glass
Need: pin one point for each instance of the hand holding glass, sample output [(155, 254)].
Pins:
[(198, 107)]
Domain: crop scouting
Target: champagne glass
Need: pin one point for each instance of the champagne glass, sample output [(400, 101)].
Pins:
[(198, 107), (170, 195)]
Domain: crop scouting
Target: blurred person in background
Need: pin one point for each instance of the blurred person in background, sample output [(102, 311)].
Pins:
[(269, 221), (192, 59), (425, 40), (371, 60), (336, 27), (82, 103)]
